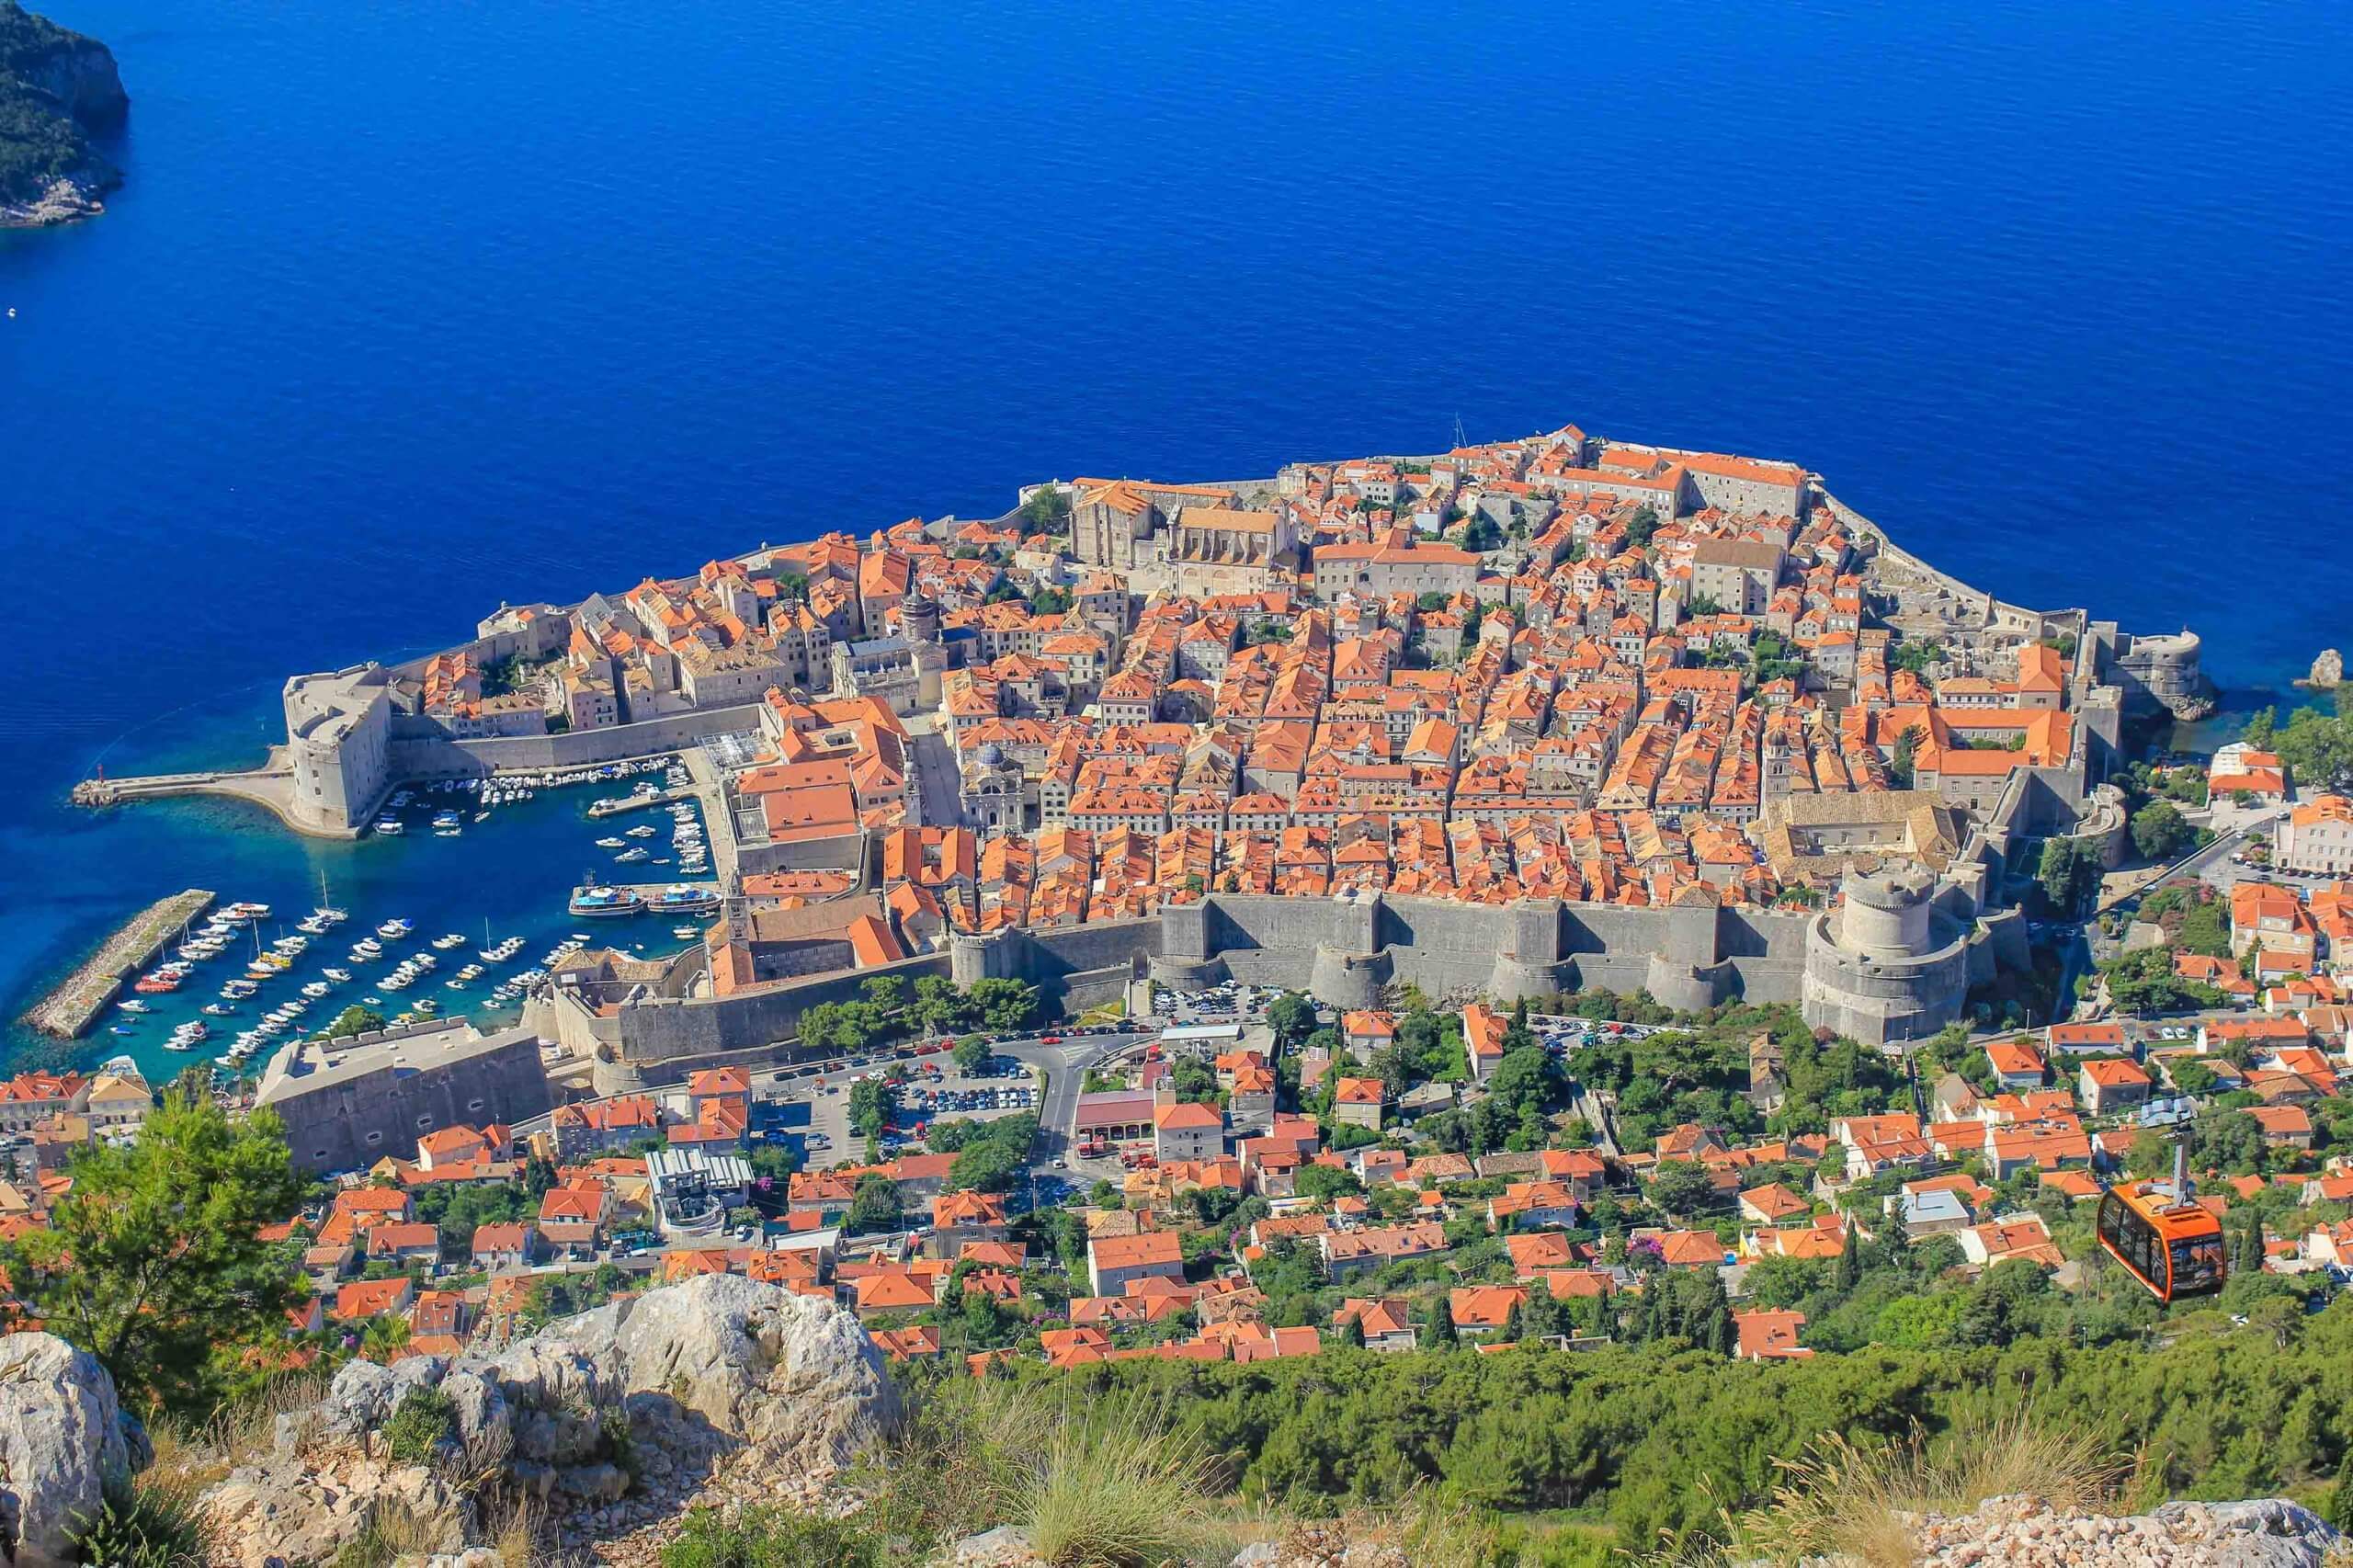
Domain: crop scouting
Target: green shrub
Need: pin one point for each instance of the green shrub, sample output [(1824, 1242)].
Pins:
[(145, 1526), (420, 1424), (773, 1538)]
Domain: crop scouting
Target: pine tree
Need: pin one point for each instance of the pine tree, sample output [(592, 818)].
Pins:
[(2338, 1509)]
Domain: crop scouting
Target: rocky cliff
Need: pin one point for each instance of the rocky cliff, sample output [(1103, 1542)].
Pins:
[(57, 90), (609, 1422)]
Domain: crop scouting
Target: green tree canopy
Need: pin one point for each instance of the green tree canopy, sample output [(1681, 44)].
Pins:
[(152, 1262)]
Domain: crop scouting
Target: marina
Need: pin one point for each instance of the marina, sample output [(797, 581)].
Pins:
[(325, 926)]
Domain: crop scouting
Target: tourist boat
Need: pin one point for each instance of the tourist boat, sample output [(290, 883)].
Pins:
[(452, 939), (337, 976), (612, 844), (392, 930), (427, 1006), (292, 944), (686, 933), (238, 990), (447, 819), (643, 830), (367, 946), (471, 972), (219, 1009), (602, 900), (245, 910), (134, 1006), (317, 988), (389, 828), (629, 857), (394, 982), (680, 899), (153, 984), (422, 961)]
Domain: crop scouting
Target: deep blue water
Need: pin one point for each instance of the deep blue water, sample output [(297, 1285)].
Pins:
[(408, 307)]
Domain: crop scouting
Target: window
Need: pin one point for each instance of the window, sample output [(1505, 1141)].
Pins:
[(374, 1138), (424, 1124), (473, 1105)]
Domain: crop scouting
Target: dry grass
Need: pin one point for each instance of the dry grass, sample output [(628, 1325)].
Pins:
[(238, 1434), (1115, 1488), (1858, 1504)]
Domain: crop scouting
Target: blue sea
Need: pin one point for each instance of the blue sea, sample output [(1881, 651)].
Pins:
[(410, 308)]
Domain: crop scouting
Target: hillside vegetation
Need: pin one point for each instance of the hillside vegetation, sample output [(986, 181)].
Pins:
[(1662, 1439), (56, 89)]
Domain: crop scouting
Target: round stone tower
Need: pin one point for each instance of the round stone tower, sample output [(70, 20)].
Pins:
[(1886, 964)]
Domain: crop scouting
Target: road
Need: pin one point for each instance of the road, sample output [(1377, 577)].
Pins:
[(939, 789)]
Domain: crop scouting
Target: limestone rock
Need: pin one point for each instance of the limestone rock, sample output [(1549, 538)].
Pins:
[(612, 1418), (271, 1515), (794, 1376), (2328, 670), (63, 1442), (1008, 1546), (2021, 1532)]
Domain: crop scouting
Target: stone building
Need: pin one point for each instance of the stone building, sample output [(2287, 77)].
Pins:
[(347, 1103), (338, 739)]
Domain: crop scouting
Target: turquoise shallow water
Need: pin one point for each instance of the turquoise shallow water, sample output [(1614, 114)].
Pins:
[(507, 876), (409, 308)]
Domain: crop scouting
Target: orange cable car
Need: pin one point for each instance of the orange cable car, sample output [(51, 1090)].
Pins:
[(2165, 1240)]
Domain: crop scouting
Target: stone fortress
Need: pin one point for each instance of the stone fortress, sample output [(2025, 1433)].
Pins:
[(1924, 914)]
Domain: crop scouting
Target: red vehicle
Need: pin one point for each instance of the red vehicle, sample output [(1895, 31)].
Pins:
[(1049, 1039), (1151, 1052)]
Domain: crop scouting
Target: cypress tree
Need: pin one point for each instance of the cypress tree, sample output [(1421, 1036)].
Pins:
[(1850, 1270)]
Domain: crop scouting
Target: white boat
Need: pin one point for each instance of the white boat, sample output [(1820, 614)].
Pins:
[(392, 930), (134, 1006), (220, 1009), (612, 844), (317, 988), (452, 940), (389, 828), (337, 975), (685, 933), (643, 830), (629, 857)]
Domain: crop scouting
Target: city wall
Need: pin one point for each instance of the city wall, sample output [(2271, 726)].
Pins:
[(422, 749)]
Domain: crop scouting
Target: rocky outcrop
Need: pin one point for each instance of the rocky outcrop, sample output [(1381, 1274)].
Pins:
[(2021, 1532), (57, 89), (65, 1444), (2327, 672), (613, 1420)]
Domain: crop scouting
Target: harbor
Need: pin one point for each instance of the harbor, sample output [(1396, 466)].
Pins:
[(474, 880), (68, 1012)]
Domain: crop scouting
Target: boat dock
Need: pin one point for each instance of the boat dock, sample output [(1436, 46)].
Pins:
[(613, 806), (68, 1012)]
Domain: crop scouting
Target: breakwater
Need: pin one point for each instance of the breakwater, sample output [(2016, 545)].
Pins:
[(68, 1012)]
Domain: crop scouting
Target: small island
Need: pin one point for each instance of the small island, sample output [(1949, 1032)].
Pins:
[(58, 89)]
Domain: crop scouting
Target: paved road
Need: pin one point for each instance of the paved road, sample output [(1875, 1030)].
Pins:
[(937, 787), (1066, 1066)]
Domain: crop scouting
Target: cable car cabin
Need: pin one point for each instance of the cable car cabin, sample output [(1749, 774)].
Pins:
[(2173, 1249)]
